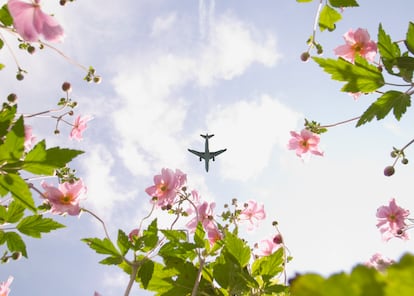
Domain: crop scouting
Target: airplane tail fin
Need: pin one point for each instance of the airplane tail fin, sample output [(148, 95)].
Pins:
[(206, 136)]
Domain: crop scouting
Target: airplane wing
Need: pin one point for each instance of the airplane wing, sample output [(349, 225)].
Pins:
[(214, 154), (199, 154)]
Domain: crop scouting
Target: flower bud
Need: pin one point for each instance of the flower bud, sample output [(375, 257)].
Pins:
[(305, 56), (393, 154), (66, 87), (97, 79), (62, 2), (389, 171), (57, 132), (19, 76), (404, 160), (278, 239), (16, 255), (31, 49), (12, 98)]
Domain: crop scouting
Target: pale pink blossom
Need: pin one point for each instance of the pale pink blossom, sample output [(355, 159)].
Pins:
[(214, 234), (79, 126), (195, 202), (268, 246), (166, 187), (66, 197), (252, 212), (29, 139), (5, 287), (205, 215), (94, 294), (304, 142), (357, 43), (31, 22), (355, 95), (379, 262), (391, 221)]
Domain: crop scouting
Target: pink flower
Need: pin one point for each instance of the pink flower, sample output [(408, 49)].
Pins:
[(94, 294), (391, 221), (378, 262), (166, 187), (29, 139), (268, 246), (213, 234), (79, 126), (304, 142), (4, 286), (205, 215), (195, 198), (357, 43), (355, 95), (65, 198), (252, 211), (31, 22)]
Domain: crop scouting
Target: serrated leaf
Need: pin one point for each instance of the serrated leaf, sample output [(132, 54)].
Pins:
[(343, 3), (44, 161), (388, 50), (13, 146), (15, 212), (145, 272), (359, 77), (328, 17), (102, 246), (5, 16), (269, 266), (35, 225), (15, 243), (112, 260), (391, 100), (409, 38), (238, 248), (123, 242), (19, 189), (7, 115)]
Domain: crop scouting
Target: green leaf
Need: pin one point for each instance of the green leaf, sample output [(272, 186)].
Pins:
[(409, 38), (145, 272), (15, 243), (406, 66), (7, 115), (388, 50), (343, 3), (5, 16), (1, 46), (269, 266), (391, 100), (123, 242), (112, 260), (13, 147), (44, 161), (15, 212), (1, 66), (238, 248), (199, 236), (360, 76), (328, 17), (102, 246), (19, 189), (35, 225)]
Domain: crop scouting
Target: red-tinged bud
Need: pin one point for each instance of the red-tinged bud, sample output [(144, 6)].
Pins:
[(66, 87), (305, 56), (278, 239), (389, 171), (62, 2), (16, 255), (70, 113)]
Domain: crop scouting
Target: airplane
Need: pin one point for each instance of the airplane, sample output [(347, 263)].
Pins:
[(207, 155)]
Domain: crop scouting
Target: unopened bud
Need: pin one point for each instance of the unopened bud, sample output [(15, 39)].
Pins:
[(393, 154), (12, 98), (97, 79), (66, 87), (305, 56), (404, 161), (57, 132), (278, 239), (19, 76), (31, 49), (16, 255), (389, 171), (70, 112), (62, 2)]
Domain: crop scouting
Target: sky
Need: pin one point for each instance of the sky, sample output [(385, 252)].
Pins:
[(173, 70)]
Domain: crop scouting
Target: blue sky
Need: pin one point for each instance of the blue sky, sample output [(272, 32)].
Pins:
[(174, 69)]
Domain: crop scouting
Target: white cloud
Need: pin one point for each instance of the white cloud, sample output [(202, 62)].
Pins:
[(250, 130), (163, 23)]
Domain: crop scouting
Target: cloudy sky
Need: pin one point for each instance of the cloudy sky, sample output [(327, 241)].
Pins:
[(175, 69)]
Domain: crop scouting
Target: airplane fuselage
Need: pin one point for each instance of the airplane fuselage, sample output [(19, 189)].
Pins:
[(207, 155)]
